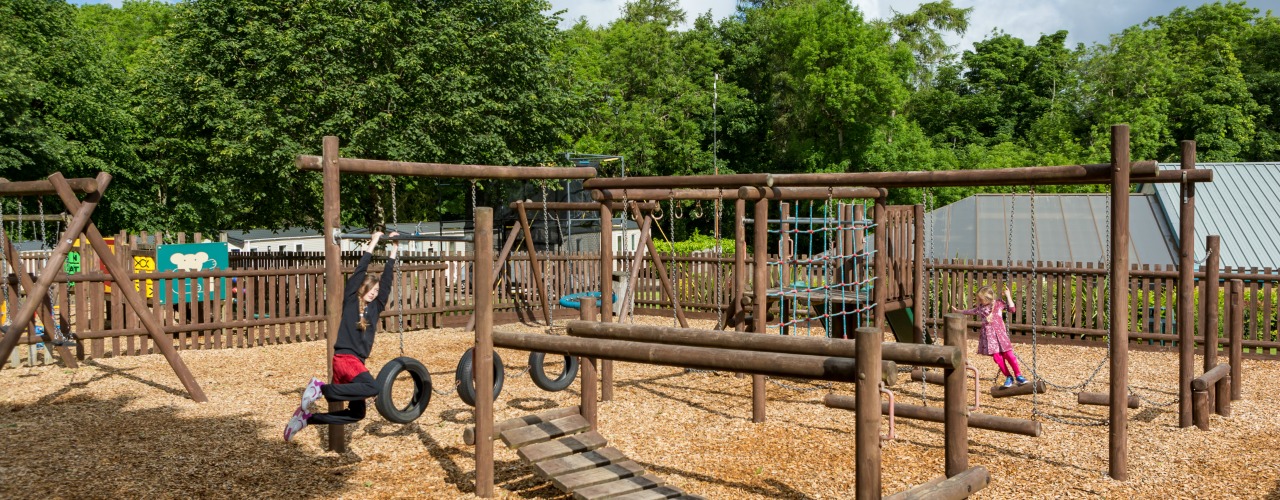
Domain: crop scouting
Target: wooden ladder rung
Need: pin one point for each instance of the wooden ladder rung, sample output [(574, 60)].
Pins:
[(618, 488), (599, 475), (578, 462), (561, 447), (544, 431)]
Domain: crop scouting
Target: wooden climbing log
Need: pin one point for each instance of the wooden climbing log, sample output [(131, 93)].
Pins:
[(935, 378), (417, 169), (672, 182), (936, 356), (962, 485), (535, 206), (704, 358), (1019, 390), (1103, 399), (1211, 377), (996, 423), (1097, 173), (810, 193), (1200, 408)]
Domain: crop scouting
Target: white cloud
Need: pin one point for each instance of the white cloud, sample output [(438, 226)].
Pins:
[(1086, 21)]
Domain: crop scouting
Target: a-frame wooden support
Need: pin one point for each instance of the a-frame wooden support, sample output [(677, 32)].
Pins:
[(646, 237), (81, 223), (46, 307)]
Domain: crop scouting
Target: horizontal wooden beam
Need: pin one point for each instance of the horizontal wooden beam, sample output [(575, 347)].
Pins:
[(704, 358), (1210, 377), (675, 182), (233, 273), (534, 206), (44, 187), (657, 194), (1097, 173), (1103, 399), (912, 354), (447, 170), (960, 486), (997, 423), (810, 193)]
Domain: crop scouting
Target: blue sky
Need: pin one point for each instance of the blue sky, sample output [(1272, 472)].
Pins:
[(1087, 21)]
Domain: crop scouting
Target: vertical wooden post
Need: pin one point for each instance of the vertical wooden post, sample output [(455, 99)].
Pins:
[(637, 262), (46, 307), (846, 251), (497, 268), (1237, 338), (606, 292), (918, 301), (589, 388), (484, 350), (332, 271), (663, 277), (1119, 435), (867, 416), (1210, 301), (760, 287), (535, 266), (1186, 287), (955, 407), (1200, 409), (881, 260)]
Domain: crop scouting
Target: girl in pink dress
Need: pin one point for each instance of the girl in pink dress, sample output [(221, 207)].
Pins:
[(994, 341)]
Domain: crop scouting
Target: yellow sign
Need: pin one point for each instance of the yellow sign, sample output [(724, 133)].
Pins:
[(144, 264)]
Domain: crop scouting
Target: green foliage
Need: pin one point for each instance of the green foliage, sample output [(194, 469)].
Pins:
[(697, 243)]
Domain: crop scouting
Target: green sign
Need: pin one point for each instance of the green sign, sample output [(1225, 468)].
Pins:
[(191, 257)]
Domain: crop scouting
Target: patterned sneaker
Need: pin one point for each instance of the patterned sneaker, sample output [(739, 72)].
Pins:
[(311, 394), (296, 424), (1008, 382), (1021, 380)]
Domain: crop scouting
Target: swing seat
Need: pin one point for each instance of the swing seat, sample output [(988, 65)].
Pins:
[(574, 300)]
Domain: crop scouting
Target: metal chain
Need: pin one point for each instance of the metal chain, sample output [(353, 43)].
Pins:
[(823, 387), (546, 242), (675, 266), (720, 316), (4, 269), (399, 284)]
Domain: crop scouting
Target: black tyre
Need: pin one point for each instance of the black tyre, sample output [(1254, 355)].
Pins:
[(466, 383), (538, 372), (421, 390)]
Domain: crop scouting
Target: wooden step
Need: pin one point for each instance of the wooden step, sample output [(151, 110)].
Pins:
[(544, 431), (579, 462), (564, 446), (618, 488), (659, 493), (469, 433), (599, 475)]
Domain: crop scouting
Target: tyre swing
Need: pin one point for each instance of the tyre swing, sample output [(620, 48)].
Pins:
[(464, 376), (537, 360), (390, 371)]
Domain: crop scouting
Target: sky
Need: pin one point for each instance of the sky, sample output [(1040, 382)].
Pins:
[(1086, 21)]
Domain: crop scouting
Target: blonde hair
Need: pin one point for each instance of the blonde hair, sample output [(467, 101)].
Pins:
[(370, 281), (987, 295)]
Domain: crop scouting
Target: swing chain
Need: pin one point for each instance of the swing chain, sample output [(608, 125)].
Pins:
[(399, 284), (675, 266), (546, 242)]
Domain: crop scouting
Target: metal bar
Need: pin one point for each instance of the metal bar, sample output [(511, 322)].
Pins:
[(1118, 442), (45, 187), (417, 169), (706, 358)]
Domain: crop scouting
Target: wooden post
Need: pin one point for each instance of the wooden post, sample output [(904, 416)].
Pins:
[(956, 425), (881, 261), (606, 292), (1237, 337), (785, 313), (483, 354), (590, 383), (1119, 432), (739, 263), (1186, 287), (499, 267), (918, 299), (333, 279), (760, 285), (46, 308), (535, 266), (867, 418), (1210, 301), (1200, 409)]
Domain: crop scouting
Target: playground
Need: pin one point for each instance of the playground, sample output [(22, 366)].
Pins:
[(124, 428)]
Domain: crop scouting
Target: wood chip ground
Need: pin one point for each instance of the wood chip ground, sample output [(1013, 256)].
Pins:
[(123, 428)]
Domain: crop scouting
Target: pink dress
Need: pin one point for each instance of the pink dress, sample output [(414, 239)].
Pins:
[(995, 335)]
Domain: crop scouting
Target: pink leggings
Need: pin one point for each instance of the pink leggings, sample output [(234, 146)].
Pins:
[(1000, 359)]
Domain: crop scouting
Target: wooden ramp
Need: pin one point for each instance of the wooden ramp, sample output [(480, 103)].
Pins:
[(565, 451)]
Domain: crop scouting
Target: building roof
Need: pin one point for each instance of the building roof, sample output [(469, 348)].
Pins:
[(243, 235), (1069, 228), (1240, 205)]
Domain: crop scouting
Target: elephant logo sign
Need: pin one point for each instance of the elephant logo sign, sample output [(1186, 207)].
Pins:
[(192, 261)]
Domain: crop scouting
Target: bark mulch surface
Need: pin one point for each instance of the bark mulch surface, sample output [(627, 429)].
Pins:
[(123, 428)]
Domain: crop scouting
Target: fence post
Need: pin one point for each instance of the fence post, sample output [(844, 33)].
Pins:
[(867, 416), (1237, 338)]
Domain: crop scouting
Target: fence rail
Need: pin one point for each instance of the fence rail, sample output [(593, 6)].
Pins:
[(273, 298)]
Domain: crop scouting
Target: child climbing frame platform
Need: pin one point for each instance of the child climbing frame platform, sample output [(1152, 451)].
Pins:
[(563, 450)]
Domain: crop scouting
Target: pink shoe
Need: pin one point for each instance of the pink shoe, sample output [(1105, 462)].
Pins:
[(296, 424), (311, 393)]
